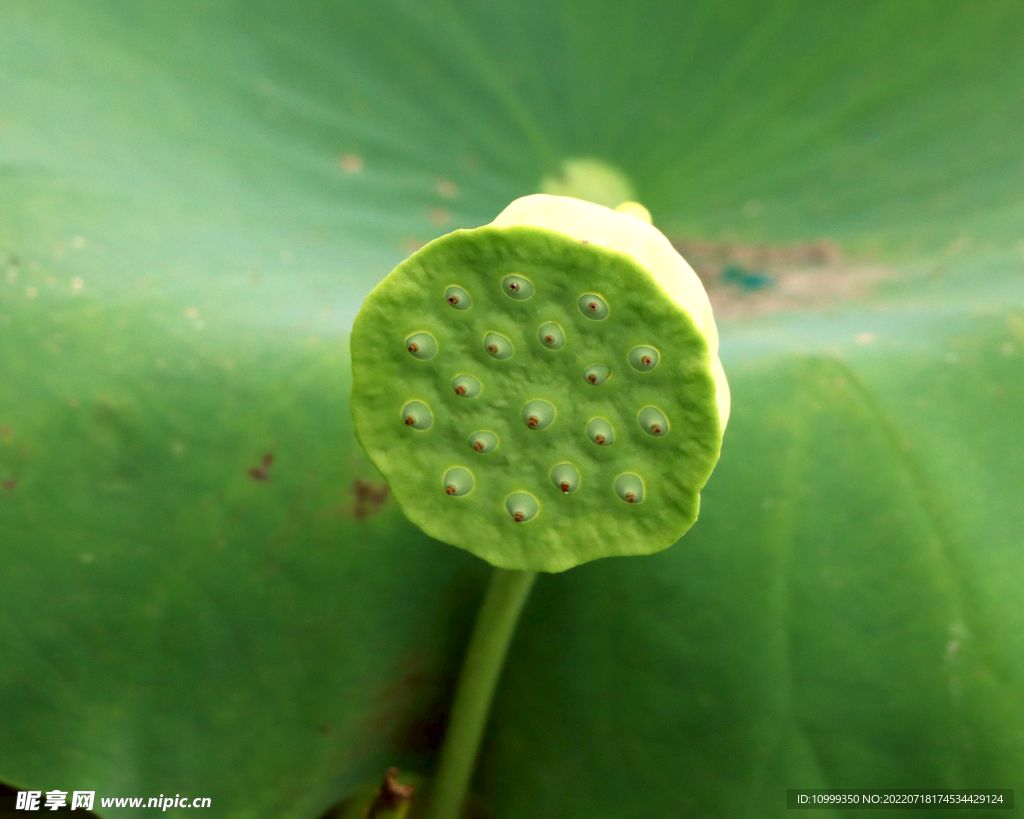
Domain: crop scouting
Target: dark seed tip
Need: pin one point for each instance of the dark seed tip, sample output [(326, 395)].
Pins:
[(460, 390), (549, 339), (630, 497), (647, 360), (565, 487), (592, 379), (532, 422), (478, 446), (409, 421), (514, 286), (414, 347), (450, 489), (492, 348), (518, 517), (453, 299), (593, 305), (656, 429), (600, 440)]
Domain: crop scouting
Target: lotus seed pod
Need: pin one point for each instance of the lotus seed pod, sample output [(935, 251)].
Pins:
[(421, 346), (596, 374), (483, 441), (498, 346), (551, 336), (573, 254), (457, 481)]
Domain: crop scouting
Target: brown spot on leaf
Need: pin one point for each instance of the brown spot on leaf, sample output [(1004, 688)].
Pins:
[(10, 483), (811, 276), (391, 795), (369, 498), (259, 473)]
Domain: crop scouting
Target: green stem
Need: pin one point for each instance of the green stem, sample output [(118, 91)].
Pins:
[(485, 656)]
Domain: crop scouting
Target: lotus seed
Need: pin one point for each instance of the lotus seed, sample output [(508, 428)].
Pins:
[(551, 336), (458, 481), (466, 386), (629, 487), (416, 415), (522, 506), (458, 298), (566, 477), (653, 421), (483, 441), (643, 359), (517, 287), (600, 432), (597, 374), (497, 346), (593, 307), (538, 414), (421, 345)]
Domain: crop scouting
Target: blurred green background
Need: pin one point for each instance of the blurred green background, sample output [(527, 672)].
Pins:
[(195, 197)]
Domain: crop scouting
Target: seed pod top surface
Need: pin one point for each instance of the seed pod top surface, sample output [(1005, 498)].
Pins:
[(536, 402)]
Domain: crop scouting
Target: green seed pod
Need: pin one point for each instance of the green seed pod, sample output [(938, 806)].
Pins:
[(522, 506), (457, 481), (538, 414), (572, 252), (593, 307), (551, 336), (421, 346), (517, 287), (596, 374), (566, 478), (600, 432), (630, 488), (415, 414), (497, 346), (465, 386), (653, 421), (458, 298), (643, 359), (483, 441)]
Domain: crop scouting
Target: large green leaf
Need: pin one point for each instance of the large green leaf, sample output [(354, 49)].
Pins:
[(195, 198)]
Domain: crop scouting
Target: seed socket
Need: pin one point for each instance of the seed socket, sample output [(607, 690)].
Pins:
[(483, 441), (643, 359), (458, 481), (596, 374), (465, 386), (653, 421), (593, 307), (415, 414), (629, 487), (421, 346), (522, 506), (458, 298), (517, 287), (538, 414), (565, 477), (551, 336), (600, 432)]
